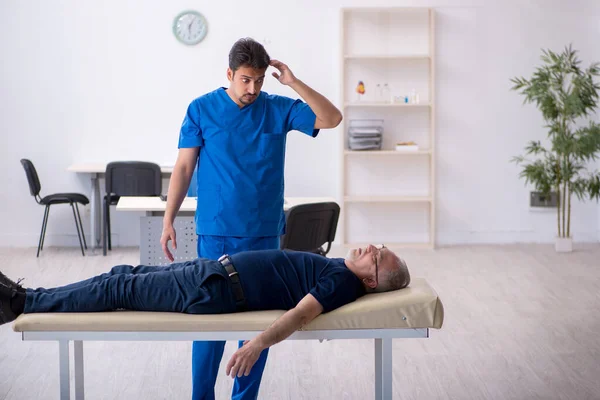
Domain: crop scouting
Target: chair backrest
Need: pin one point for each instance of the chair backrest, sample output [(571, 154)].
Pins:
[(133, 178), (32, 177), (309, 226)]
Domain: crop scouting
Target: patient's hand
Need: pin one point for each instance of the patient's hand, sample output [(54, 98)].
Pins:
[(242, 360)]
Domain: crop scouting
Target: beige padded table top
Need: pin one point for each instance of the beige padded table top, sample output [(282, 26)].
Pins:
[(417, 306)]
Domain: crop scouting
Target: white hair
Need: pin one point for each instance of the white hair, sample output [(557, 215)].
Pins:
[(397, 278)]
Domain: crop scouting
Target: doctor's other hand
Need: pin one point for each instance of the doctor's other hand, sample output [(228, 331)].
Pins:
[(168, 233)]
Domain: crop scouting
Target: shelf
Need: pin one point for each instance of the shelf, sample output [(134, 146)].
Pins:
[(387, 57), (387, 199), (385, 152), (386, 10), (376, 104), (393, 246)]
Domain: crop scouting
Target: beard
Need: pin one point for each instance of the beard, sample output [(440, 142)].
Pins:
[(246, 99)]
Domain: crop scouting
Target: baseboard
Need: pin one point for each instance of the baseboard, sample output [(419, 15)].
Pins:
[(457, 238), (59, 240), (443, 238)]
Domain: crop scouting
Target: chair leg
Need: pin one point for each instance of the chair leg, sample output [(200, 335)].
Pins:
[(77, 226), (104, 229), (81, 226), (43, 231), (46, 215), (109, 236)]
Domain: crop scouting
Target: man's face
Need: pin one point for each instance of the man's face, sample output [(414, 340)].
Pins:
[(246, 83), (377, 258), (364, 254)]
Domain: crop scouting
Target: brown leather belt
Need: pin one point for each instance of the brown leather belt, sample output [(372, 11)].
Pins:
[(238, 292)]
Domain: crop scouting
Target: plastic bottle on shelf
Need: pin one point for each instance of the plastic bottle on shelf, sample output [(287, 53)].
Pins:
[(387, 95), (413, 96), (378, 93)]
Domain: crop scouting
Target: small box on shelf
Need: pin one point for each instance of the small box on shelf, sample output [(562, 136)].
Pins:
[(407, 146)]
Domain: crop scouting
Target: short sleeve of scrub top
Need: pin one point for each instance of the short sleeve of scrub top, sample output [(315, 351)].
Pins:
[(299, 116), (190, 134)]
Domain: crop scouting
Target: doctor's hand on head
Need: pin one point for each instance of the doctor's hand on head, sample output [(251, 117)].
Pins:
[(285, 76)]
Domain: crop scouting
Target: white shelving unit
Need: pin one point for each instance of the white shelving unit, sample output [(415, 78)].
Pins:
[(389, 195)]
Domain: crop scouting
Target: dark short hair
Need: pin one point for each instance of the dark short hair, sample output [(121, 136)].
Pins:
[(250, 53)]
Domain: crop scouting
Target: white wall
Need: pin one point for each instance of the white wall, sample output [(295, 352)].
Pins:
[(598, 208), (482, 124), (95, 81)]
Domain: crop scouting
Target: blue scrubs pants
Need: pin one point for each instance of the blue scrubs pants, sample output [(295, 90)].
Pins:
[(207, 355)]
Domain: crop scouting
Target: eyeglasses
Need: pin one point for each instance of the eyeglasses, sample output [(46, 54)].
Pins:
[(378, 247)]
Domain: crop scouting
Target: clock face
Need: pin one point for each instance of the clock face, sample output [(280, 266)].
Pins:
[(190, 27)]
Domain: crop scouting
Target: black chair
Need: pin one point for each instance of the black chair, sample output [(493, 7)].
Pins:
[(310, 226), (59, 198), (128, 178)]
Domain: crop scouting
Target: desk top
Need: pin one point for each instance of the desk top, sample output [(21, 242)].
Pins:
[(100, 168), (141, 203)]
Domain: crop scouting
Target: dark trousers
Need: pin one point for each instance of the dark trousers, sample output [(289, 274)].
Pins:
[(193, 287)]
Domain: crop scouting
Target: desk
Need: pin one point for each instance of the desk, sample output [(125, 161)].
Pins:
[(152, 223), (154, 206), (96, 172)]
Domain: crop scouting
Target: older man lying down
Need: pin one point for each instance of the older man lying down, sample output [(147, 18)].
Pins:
[(305, 284)]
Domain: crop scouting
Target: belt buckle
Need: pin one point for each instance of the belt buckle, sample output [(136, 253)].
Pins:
[(226, 261)]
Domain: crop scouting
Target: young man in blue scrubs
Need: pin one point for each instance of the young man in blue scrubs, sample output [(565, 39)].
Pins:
[(236, 138)]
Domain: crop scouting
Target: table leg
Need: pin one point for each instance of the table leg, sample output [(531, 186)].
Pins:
[(95, 212), (78, 364), (383, 369), (63, 366)]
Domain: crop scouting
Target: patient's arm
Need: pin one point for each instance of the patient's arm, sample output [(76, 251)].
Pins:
[(242, 361), (307, 310)]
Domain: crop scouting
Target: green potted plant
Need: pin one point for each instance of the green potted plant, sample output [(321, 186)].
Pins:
[(567, 97)]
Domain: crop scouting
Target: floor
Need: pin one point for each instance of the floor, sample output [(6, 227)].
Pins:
[(521, 322)]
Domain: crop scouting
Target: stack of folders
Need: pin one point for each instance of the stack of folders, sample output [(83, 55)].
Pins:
[(365, 134)]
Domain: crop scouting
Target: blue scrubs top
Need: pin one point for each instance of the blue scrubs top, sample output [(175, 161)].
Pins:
[(241, 163)]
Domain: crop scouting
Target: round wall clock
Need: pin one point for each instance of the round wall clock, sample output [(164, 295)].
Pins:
[(190, 27)]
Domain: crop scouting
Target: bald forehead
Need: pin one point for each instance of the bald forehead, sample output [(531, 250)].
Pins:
[(389, 259)]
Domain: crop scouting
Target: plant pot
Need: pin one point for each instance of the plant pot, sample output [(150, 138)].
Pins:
[(563, 244)]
